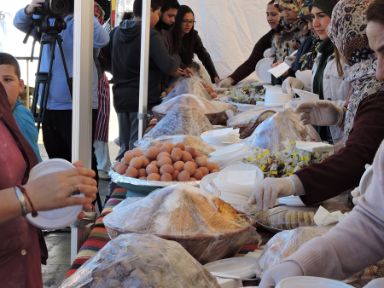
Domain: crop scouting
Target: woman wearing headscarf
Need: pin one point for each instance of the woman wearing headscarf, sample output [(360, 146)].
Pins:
[(357, 241), (327, 72), (293, 32), (363, 130), (186, 42)]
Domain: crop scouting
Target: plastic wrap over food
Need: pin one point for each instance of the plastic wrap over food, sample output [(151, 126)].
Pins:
[(185, 121), (249, 116), (192, 85), (286, 217), (135, 260), (285, 243), (204, 225), (192, 101), (281, 127)]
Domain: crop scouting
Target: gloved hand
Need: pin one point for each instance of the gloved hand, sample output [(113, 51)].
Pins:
[(321, 113), (269, 53), (278, 272), (290, 83), (226, 82), (376, 283), (355, 195), (268, 190)]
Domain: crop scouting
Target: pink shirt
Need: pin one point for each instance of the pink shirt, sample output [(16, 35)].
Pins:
[(19, 244)]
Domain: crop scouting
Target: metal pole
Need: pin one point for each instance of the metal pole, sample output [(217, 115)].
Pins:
[(82, 92), (144, 65)]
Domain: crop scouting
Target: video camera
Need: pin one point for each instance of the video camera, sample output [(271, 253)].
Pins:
[(49, 18), (55, 8)]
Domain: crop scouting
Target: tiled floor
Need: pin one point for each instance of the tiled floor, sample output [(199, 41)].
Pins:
[(58, 242)]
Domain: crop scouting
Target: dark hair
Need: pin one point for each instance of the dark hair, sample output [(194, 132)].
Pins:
[(177, 38), (138, 6), (8, 59), (169, 4), (375, 11)]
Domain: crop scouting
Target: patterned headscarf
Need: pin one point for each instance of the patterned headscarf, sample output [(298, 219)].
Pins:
[(305, 10), (290, 4), (347, 32)]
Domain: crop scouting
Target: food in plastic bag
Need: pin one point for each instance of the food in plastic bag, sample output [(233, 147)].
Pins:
[(281, 127), (204, 225), (193, 101), (286, 217), (145, 261), (285, 243), (193, 85), (184, 120)]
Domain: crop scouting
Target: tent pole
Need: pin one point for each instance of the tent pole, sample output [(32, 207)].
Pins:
[(82, 92), (144, 65)]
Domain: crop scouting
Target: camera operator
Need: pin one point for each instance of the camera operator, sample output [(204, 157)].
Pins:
[(56, 125)]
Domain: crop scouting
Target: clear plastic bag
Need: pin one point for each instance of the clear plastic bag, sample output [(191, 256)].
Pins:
[(135, 260), (193, 85), (180, 120), (204, 225), (192, 101), (283, 126), (285, 243)]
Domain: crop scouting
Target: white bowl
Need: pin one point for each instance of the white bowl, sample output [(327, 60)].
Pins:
[(55, 218)]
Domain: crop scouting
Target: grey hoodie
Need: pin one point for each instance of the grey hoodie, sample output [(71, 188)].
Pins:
[(125, 50)]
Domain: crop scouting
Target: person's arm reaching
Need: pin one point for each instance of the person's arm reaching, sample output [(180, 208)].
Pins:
[(355, 243), (167, 63), (205, 58)]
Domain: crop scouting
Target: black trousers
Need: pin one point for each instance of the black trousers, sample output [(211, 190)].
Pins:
[(57, 135)]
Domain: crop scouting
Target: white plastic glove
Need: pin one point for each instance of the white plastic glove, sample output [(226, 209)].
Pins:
[(290, 83), (226, 82), (278, 272), (376, 283), (355, 195), (268, 190), (321, 113), (269, 53)]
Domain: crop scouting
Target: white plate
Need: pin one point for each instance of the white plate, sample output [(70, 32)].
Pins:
[(262, 68), (310, 282), (241, 267), (306, 95), (56, 218)]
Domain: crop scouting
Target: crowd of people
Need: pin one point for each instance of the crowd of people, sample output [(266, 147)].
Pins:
[(338, 42)]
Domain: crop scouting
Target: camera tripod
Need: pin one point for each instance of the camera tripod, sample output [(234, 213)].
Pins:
[(43, 79)]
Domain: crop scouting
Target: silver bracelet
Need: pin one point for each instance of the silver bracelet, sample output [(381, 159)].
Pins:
[(23, 203)]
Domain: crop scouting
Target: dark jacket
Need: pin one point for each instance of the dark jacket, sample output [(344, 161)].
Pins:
[(191, 44), (343, 170), (249, 65), (125, 53)]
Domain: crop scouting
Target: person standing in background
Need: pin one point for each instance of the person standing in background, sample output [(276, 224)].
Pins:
[(186, 42), (100, 142), (57, 122)]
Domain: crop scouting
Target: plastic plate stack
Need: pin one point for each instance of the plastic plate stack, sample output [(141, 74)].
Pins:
[(234, 184), (221, 137), (55, 218)]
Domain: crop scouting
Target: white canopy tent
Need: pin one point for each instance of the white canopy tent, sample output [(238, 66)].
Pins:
[(229, 29)]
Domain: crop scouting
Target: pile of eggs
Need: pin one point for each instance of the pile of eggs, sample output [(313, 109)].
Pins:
[(165, 162)]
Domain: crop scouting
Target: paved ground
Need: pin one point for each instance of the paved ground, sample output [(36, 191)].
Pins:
[(58, 242)]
